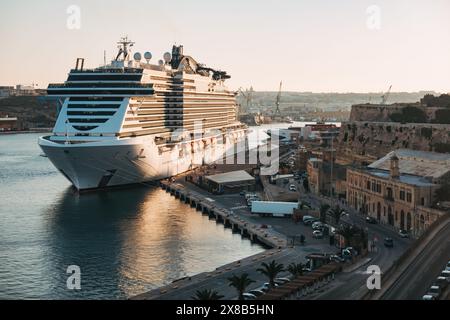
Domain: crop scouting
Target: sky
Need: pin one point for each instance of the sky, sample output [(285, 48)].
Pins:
[(311, 45)]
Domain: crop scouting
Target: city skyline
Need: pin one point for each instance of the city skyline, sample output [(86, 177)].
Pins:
[(353, 46)]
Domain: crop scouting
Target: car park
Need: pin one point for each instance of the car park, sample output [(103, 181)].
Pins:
[(403, 233), (388, 242)]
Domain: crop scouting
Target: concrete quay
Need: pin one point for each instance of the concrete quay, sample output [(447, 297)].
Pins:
[(230, 220)]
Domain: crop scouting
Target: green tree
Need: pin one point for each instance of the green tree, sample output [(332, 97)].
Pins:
[(323, 212), (207, 294), (271, 271), (349, 233), (336, 213), (296, 269), (240, 283)]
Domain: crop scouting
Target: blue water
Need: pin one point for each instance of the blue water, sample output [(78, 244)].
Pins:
[(124, 241)]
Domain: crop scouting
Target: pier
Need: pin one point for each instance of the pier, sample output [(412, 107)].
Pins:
[(225, 216)]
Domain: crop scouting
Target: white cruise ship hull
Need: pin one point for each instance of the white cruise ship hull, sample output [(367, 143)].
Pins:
[(103, 164)]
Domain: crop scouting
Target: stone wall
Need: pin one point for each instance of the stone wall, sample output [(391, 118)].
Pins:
[(382, 113), (362, 140)]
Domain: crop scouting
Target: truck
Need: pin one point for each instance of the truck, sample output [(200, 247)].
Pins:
[(274, 208)]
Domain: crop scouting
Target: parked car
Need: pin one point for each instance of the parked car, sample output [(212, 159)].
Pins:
[(242, 193), (448, 266), (337, 258), (371, 220), (388, 242), (317, 234), (266, 285), (309, 220), (292, 188), (445, 274), (318, 226), (403, 234), (434, 291), (428, 297), (282, 280), (249, 296), (256, 292), (441, 282)]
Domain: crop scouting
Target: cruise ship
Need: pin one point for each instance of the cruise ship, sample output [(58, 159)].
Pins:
[(132, 121)]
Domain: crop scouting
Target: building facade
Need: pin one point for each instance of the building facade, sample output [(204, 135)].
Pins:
[(399, 189)]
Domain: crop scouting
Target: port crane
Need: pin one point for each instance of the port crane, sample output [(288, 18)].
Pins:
[(385, 96), (277, 103), (248, 96)]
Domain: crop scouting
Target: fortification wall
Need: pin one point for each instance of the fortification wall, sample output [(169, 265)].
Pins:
[(363, 140), (382, 113)]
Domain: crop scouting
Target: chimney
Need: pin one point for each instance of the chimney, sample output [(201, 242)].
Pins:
[(395, 170)]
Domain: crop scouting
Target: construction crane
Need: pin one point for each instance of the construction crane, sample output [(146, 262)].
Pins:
[(277, 103), (385, 96), (248, 96)]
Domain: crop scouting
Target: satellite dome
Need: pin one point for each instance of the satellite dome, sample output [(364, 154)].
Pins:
[(137, 56), (147, 55), (160, 62), (167, 57)]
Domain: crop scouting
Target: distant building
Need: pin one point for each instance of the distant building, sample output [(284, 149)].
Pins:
[(6, 91), (399, 188), (8, 124)]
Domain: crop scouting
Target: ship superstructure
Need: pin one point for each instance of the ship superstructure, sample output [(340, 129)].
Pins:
[(132, 121)]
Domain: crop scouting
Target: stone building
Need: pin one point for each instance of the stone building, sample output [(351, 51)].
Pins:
[(325, 178), (399, 188)]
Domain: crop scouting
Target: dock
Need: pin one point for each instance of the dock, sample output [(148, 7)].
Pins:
[(225, 216)]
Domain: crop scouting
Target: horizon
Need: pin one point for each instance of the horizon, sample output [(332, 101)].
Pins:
[(351, 47)]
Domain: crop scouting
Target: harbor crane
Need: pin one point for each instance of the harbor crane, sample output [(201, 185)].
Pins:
[(248, 96), (385, 96), (277, 103)]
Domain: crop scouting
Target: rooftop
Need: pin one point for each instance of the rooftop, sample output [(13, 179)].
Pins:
[(228, 177), (416, 163)]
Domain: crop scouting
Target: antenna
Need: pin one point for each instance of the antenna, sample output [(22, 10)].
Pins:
[(104, 58)]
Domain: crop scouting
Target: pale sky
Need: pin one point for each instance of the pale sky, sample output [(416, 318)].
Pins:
[(312, 45)]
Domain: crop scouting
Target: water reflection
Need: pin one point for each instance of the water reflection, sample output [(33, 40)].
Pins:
[(129, 241)]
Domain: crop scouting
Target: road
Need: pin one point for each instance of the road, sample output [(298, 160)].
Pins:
[(414, 282), (352, 285)]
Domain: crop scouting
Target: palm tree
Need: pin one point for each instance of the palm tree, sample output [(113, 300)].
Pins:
[(240, 283), (207, 294), (323, 212), (348, 232), (271, 271), (296, 269), (336, 212)]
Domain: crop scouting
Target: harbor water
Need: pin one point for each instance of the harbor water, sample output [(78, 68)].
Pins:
[(125, 241)]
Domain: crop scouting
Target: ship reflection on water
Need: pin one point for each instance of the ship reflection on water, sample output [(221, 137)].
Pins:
[(132, 240)]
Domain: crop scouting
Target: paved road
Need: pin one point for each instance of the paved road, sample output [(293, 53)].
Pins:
[(352, 285), (420, 274), (218, 281)]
